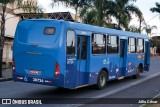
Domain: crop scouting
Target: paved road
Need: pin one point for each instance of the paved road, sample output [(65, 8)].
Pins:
[(25, 90), (147, 89)]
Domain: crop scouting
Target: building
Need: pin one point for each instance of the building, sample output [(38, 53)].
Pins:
[(7, 52), (155, 50), (68, 16), (155, 37)]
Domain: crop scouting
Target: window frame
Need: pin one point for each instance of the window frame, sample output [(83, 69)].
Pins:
[(113, 44), (99, 44), (140, 46), (129, 46), (74, 44)]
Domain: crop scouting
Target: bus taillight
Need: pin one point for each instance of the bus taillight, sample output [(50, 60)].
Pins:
[(13, 65), (57, 70)]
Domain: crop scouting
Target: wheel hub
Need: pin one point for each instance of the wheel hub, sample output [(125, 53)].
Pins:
[(102, 80)]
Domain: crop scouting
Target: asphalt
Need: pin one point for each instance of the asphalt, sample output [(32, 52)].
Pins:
[(6, 75), (146, 90)]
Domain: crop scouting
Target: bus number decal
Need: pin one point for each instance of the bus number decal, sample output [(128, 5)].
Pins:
[(38, 80)]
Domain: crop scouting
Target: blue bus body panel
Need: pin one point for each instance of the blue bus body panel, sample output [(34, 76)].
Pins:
[(36, 52), (71, 72)]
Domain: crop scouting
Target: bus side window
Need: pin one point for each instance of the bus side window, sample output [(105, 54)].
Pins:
[(98, 44), (112, 44), (70, 42), (132, 45), (140, 45)]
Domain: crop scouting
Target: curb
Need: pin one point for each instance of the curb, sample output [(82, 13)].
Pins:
[(5, 79)]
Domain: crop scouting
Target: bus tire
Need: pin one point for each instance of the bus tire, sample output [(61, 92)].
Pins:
[(101, 80), (137, 75)]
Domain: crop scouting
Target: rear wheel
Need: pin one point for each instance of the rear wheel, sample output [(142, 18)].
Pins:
[(137, 75), (101, 80)]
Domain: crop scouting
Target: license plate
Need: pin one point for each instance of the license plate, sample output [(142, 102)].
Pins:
[(34, 71)]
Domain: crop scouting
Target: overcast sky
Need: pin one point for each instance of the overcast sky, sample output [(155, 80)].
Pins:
[(144, 6)]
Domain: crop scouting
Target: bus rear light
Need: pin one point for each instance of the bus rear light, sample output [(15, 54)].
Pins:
[(57, 70)]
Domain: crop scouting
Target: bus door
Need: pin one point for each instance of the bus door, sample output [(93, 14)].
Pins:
[(123, 56), (82, 56), (147, 56)]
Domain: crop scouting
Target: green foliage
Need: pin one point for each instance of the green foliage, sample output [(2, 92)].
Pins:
[(123, 10), (156, 9), (76, 4), (100, 12), (133, 28), (90, 17), (148, 29), (6, 1), (30, 7), (101, 6)]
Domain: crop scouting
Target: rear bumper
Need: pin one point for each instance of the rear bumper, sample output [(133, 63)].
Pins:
[(59, 81)]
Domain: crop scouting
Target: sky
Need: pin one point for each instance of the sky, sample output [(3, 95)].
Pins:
[(143, 5)]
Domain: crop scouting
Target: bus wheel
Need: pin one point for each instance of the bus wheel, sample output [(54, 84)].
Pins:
[(136, 76), (101, 80)]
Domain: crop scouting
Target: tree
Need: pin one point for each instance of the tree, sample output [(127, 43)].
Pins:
[(148, 29), (76, 4), (133, 28), (18, 4), (156, 9), (99, 12), (102, 7), (30, 7), (123, 11), (89, 16), (141, 19)]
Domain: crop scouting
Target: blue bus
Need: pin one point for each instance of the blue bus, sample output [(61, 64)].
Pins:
[(72, 55)]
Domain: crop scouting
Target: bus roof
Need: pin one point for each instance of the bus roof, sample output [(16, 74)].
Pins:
[(97, 29), (104, 30)]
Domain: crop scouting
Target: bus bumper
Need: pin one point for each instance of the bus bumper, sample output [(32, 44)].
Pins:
[(59, 81)]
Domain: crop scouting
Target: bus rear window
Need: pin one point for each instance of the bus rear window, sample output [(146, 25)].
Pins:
[(49, 31)]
